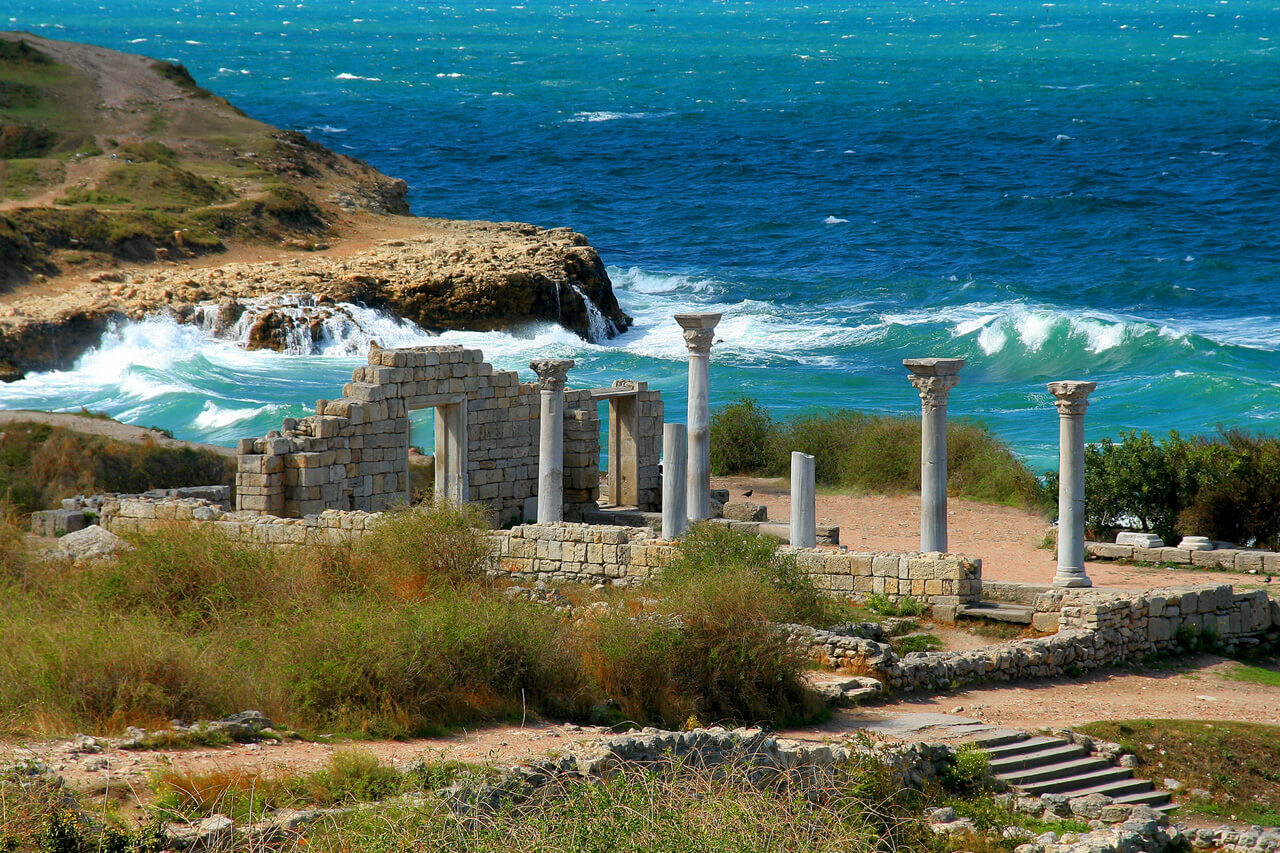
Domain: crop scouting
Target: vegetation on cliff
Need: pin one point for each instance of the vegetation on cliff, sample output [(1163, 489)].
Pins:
[(41, 464), (106, 156)]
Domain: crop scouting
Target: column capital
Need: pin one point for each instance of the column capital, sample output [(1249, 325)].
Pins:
[(1072, 396), (933, 389), (699, 331), (552, 372)]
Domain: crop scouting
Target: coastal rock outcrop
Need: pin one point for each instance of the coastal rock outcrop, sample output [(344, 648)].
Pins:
[(478, 276)]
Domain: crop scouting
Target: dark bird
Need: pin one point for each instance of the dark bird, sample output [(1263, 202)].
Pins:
[(748, 493), (1268, 580)]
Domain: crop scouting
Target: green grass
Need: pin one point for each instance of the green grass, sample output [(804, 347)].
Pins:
[(869, 453), (1254, 674), (915, 643), (1237, 763), (18, 177), (884, 606), (397, 634)]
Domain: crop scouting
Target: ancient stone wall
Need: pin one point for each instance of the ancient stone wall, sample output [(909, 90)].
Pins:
[(1237, 559), (353, 453), (1094, 628), (590, 553)]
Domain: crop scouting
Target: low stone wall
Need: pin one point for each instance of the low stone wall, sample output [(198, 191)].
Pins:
[(132, 514), (589, 553), (1230, 559), (571, 553), (1094, 628)]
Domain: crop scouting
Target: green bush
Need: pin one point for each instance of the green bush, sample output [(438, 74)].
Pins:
[(870, 453), (710, 648), (741, 435), (1226, 487)]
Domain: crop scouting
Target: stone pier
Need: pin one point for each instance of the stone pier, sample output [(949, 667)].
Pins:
[(551, 380), (675, 439), (1072, 400), (699, 332), (804, 523), (933, 378)]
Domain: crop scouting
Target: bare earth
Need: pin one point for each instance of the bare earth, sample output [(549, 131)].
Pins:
[(1005, 538)]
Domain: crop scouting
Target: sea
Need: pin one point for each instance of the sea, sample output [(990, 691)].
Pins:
[(1050, 190)]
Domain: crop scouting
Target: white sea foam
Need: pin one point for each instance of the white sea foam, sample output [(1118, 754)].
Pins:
[(348, 76), (327, 128), (834, 220), (213, 416), (609, 115)]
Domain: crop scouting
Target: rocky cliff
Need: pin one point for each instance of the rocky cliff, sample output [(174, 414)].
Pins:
[(126, 189)]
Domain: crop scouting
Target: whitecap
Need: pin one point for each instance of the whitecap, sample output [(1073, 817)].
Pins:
[(833, 220), (348, 76), (609, 115), (213, 416)]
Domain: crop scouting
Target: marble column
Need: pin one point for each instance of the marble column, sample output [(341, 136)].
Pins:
[(804, 523), (1072, 400), (675, 438), (699, 332), (551, 378), (933, 378)]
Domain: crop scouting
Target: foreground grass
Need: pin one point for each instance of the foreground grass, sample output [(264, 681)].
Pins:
[(397, 634), (1237, 763), (869, 453)]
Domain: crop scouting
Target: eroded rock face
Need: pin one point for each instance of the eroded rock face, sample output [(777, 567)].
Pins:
[(479, 276)]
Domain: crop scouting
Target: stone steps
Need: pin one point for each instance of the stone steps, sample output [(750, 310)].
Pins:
[(1035, 765), (997, 611)]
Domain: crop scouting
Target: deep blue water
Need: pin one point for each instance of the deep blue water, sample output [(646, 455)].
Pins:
[(1084, 190)]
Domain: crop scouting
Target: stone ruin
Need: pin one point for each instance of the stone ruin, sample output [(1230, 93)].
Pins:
[(353, 453)]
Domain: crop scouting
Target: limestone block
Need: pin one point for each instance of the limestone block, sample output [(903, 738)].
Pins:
[(1147, 555), (745, 511), (1178, 556), (1139, 540), (1249, 561), (1045, 623), (1221, 559), (1160, 629), (1107, 551), (1196, 543), (882, 566)]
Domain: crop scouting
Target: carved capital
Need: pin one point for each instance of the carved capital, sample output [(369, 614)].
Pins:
[(699, 331), (552, 372), (933, 389), (1072, 397), (699, 340)]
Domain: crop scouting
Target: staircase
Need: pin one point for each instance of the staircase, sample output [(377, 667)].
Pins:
[(1035, 765)]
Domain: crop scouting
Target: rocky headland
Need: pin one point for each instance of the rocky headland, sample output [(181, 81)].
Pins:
[(127, 190)]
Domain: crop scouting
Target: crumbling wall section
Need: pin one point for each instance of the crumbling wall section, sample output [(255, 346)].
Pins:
[(352, 454)]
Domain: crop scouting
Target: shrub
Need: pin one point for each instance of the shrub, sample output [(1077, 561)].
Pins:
[(741, 435), (709, 551), (711, 650), (1226, 487), (871, 453), (426, 546), (363, 666)]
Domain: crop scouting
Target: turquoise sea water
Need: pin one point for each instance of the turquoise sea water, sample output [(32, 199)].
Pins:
[(1050, 190)]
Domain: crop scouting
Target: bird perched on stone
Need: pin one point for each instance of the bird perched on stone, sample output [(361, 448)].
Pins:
[(748, 493)]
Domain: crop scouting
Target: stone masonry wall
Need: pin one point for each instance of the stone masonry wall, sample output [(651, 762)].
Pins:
[(353, 453), (568, 552), (590, 553), (1095, 628), (1237, 559)]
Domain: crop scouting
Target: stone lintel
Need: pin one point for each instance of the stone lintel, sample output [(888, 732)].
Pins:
[(698, 321), (933, 366)]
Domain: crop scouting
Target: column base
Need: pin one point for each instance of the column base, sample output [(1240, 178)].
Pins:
[(1072, 580)]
